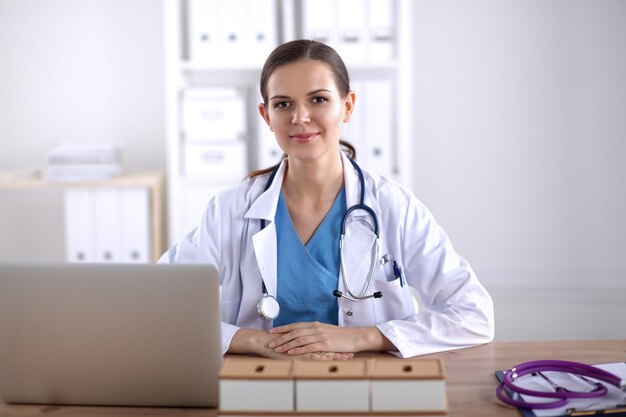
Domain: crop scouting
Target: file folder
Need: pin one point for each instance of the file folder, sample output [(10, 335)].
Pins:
[(202, 30), (379, 130), (382, 30), (231, 27), (319, 21), (135, 225), (79, 213), (352, 45), (262, 25), (107, 231), (373, 137)]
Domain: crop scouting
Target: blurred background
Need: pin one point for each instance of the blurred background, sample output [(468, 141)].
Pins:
[(507, 119)]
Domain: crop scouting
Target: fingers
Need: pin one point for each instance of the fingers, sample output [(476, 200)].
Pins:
[(291, 327), (295, 335), (327, 356)]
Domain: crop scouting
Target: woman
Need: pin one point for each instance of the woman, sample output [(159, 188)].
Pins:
[(276, 237)]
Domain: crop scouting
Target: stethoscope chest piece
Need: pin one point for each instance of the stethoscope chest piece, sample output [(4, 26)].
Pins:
[(268, 307)]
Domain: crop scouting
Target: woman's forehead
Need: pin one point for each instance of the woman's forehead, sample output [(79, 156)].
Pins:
[(301, 77)]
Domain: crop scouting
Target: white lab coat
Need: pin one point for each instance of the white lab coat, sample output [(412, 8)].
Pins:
[(455, 309)]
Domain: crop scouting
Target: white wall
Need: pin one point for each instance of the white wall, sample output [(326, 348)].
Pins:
[(80, 70), (520, 146)]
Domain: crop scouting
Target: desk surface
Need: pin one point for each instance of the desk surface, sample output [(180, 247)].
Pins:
[(470, 379)]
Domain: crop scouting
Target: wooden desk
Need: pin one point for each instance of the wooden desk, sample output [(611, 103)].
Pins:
[(470, 379)]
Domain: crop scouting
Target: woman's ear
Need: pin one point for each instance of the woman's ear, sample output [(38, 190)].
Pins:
[(265, 115), (349, 102)]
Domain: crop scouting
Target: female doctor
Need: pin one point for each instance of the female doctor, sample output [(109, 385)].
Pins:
[(287, 288)]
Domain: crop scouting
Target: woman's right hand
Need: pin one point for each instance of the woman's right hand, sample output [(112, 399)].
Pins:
[(257, 342)]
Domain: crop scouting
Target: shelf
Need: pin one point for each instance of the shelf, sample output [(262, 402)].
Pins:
[(190, 66), (35, 180), (154, 181)]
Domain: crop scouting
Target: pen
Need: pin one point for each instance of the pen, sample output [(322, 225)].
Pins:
[(619, 408), (397, 272)]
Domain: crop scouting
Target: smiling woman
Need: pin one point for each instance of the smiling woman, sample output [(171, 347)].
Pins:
[(334, 250)]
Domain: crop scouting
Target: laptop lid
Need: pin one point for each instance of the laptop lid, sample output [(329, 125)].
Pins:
[(110, 334)]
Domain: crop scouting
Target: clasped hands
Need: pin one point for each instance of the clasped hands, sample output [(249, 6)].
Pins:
[(313, 340)]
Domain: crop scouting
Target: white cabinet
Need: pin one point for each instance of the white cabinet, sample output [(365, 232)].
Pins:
[(213, 65)]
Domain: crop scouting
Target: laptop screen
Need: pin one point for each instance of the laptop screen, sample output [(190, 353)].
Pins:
[(110, 334)]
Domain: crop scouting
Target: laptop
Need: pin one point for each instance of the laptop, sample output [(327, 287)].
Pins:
[(110, 334)]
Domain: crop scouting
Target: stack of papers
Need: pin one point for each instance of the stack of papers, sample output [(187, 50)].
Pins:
[(83, 162)]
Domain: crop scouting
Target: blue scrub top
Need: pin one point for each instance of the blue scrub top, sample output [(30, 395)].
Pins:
[(307, 275)]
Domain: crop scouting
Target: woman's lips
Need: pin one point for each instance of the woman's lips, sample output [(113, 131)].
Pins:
[(304, 137)]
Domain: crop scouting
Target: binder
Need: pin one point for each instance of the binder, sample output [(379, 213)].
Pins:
[(262, 36), (202, 30), (352, 30), (78, 213), (135, 225), (107, 205), (268, 151), (382, 33), (353, 130), (379, 130), (231, 29), (319, 21)]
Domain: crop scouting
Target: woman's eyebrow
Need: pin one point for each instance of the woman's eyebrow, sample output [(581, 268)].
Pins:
[(280, 97), (312, 93), (319, 90)]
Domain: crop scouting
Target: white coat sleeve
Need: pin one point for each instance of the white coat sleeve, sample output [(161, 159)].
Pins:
[(203, 246), (455, 309)]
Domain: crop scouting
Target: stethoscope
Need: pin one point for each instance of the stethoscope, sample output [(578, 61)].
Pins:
[(268, 307), (561, 395)]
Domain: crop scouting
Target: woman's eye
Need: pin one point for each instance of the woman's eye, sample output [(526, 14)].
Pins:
[(281, 105), (320, 99)]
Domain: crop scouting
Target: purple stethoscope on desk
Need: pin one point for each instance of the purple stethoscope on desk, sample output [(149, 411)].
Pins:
[(560, 394)]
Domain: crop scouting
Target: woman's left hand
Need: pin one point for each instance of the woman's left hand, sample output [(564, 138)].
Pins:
[(314, 337)]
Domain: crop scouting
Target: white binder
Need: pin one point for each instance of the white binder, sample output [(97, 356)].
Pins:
[(107, 232), (373, 137), (261, 37), (231, 28), (379, 130), (78, 211), (268, 151), (382, 30), (353, 131), (319, 21), (202, 30), (352, 30), (135, 225)]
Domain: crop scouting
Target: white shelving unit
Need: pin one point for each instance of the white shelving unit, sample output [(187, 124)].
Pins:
[(373, 36)]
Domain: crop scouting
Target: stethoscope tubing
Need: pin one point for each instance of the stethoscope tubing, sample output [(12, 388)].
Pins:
[(561, 395), (376, 250)]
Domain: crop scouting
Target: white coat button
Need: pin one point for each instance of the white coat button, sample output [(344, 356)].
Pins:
[(349, 313)]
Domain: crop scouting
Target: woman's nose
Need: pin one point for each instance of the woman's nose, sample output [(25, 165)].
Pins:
[(300, 115)]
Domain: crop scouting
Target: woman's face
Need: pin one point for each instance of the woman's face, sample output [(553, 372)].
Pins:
[(305, 110)]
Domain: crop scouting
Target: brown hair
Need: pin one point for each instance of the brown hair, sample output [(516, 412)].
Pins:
[(301, 49)]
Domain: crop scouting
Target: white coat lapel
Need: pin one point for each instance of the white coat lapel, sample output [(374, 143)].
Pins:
[(265, 251), (264, 241)]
